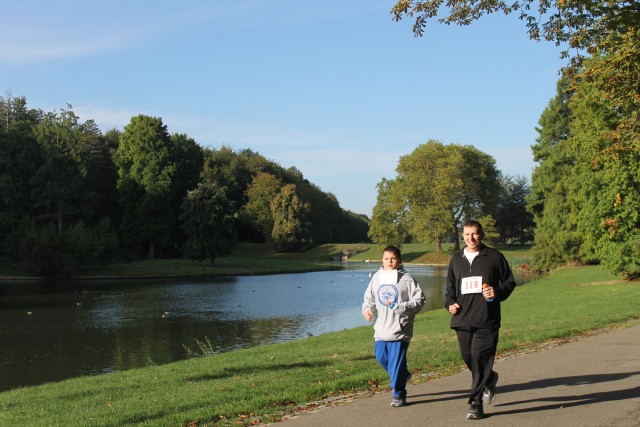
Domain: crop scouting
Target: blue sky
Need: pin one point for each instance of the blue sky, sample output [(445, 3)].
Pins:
[(333, 87)]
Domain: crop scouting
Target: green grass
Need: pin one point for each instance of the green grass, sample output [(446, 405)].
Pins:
[(261, 384), (248, 259)]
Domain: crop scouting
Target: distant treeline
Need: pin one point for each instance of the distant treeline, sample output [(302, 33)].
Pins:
[(73, 196)]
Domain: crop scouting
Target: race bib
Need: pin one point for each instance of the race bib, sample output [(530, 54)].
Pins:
[(471, 285), (388, 277)]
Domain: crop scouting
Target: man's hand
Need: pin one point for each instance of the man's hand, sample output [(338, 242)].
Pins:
[(453, 308)]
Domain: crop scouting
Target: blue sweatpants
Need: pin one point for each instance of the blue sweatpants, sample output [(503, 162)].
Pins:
[(392, 356)]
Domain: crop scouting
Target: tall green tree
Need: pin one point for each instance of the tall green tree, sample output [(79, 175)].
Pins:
[(207, 218), (189, 161), (58, 183), (513, 221), (101, 183), (235, 170), (605, 188), (261, 192), (146, 166), (585, 197), (443, 185), (291, 226), (387, 225), (557, 238), (19, 160)]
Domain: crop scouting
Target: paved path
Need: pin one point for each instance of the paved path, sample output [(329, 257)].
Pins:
[(594, 381)]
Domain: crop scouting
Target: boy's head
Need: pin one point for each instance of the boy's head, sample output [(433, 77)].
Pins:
[(391, 258)]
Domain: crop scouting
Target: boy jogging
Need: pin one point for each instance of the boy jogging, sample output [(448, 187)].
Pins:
[(395, 298)]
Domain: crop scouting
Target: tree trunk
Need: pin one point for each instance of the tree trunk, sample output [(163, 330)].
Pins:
[(151, 252), (456, 241), (60, 220)]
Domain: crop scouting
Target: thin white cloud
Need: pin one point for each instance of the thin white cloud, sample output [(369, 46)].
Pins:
[(49, 48), (32, 33)]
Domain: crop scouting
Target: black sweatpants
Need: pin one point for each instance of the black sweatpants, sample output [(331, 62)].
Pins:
[(478, 350)]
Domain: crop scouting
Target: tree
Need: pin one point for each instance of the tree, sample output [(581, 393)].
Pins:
[(15, 115), (609, 30), (491, 234), (263, 189), (188, 158), (556, 236), (387, 220), (290, 221), (102, 199), (236, 171), (146, 167), (443, 185), (585, 195), (19, 160), (581, 25), (604, 182), (605, 40), (513, 221), (58, 182), (207, 220)]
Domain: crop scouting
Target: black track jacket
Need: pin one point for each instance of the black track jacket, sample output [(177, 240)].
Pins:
[(475, 311)]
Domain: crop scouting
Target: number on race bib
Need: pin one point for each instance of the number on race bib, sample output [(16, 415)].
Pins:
[(471, 285)]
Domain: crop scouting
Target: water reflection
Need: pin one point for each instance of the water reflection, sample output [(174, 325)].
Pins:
[(53, 331)]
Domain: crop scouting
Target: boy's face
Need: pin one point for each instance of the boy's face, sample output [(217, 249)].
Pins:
[(390, 261)]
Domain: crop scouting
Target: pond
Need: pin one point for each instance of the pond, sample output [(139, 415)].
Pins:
[(59, 330)]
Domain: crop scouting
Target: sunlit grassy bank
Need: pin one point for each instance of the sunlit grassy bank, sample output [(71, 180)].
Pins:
[(261, 384), (261, 259), (250, 259)]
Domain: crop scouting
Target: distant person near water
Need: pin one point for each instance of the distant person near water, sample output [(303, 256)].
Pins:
[(478, 280), (393, 297)]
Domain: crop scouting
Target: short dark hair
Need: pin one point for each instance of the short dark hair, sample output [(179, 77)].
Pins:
[(476, 224), (394, 250)]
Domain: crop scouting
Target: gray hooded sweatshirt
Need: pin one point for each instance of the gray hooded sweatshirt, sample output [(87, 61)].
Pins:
[(394, 301)]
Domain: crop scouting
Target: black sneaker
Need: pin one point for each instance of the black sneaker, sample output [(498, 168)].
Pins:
[(475, 411), (398, 402), (489, 392)]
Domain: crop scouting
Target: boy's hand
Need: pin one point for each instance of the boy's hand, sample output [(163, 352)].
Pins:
[(368, 315)]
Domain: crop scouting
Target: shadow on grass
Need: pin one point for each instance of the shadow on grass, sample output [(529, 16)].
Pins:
[(230, 372)]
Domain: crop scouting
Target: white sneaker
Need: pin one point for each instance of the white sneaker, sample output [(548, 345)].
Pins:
[(398, 402), (489, 392)]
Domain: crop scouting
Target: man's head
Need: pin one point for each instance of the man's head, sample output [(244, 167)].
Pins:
[(472, 234)]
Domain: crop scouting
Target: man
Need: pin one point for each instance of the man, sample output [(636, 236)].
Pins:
[(479, 278)]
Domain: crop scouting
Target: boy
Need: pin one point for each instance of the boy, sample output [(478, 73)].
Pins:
[(395, 297)]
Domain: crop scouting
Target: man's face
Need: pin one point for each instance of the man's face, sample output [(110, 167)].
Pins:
[(471, 238), (390, 261)]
